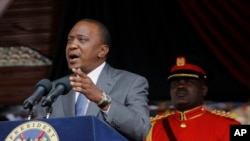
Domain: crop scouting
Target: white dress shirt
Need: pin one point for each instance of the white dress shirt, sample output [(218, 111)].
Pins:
[(94, 75)]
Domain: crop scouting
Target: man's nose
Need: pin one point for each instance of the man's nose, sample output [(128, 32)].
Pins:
[(73, 45), (181, 83)]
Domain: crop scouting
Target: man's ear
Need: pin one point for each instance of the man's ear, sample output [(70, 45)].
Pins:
[(103, 51)]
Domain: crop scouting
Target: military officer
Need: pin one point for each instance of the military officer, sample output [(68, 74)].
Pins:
[(190, 120)]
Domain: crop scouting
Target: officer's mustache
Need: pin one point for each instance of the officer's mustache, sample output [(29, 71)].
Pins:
[(182, 90)]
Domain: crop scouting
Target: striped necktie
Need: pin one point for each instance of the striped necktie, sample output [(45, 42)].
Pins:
[(80, 106)]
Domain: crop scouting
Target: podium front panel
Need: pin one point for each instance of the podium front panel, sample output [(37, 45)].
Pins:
[(85, 128)]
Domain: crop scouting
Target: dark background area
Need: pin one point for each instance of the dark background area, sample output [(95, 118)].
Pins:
[(146, 36)]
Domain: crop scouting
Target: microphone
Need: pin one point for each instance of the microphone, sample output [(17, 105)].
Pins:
[(62, 87), (43, 87)]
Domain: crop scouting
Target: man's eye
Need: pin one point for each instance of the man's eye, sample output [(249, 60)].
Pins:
[(83, 40), (174, 83), (69, 39), (191, 81)]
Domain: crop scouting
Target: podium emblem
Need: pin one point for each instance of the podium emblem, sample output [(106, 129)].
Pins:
[(33, 131)]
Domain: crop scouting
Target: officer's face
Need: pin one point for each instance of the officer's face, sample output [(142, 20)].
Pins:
[(187, 93)]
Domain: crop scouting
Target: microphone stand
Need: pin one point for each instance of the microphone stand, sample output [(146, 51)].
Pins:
[(28, 105), (48, 111), (30, 113), (48, 103)]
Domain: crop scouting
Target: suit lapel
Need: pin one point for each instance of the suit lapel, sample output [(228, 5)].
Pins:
[(69, 109), (105, 83), (92, 109)]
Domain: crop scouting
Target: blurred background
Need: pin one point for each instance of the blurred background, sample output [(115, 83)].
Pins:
[(146, 36)]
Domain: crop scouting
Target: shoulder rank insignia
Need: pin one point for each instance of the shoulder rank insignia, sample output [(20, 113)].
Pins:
[(161, 116), (153, 122), (224, 114)]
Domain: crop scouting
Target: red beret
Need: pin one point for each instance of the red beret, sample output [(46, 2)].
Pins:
[(184, 69)]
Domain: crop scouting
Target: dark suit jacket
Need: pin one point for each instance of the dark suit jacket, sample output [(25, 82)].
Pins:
[(128, 113)]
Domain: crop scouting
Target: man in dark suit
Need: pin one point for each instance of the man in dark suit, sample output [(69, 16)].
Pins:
[(117, 97)]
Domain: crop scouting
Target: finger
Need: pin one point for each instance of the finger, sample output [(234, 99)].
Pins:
[(79, 73), (77, 89), (76, 84), (75, 78)]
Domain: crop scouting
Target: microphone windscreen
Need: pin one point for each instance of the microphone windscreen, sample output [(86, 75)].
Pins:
[(66, 83), (46, 84)]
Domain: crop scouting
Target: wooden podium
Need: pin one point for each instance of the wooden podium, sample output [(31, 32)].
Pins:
[(85, 128)]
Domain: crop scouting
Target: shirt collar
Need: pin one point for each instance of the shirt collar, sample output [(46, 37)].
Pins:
[(94, 75), (190, 114)]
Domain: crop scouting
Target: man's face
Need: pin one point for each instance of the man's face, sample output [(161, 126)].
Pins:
[(187, 93), (84, 48)]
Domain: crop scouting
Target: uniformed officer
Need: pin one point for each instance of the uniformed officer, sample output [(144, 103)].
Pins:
[(190, 120)]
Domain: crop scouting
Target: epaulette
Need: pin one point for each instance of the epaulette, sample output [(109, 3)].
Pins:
[(153, 122), (161, 116), (224, 114)]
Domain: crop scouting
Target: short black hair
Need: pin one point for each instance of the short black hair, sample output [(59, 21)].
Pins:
[(104, 32)]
